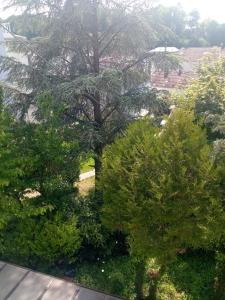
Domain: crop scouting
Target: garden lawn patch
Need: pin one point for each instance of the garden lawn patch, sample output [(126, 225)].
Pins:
[(189, 278)]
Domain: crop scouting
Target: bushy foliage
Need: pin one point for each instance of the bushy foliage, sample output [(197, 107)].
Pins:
[(10, 172), (159, 187), (39, 167), (91, 228), (97, 240), (207, 94), (98, 76), (167, 291), (42, 240), (51, 157)]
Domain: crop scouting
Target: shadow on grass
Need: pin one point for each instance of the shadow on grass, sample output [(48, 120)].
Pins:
[(194, 274), (191, 277)]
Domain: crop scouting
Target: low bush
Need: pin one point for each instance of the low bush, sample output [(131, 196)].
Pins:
[(40, 242)]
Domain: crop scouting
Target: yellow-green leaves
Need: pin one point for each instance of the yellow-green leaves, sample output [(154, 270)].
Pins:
[(159, 187)]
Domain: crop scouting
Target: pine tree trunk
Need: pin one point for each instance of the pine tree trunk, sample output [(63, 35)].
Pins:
[(219, 293), (98, 156), (98, 147), (152, 292), (139, 279)]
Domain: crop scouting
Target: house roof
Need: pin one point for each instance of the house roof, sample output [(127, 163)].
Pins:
[(18, 283), (190, 59), (164, 49)]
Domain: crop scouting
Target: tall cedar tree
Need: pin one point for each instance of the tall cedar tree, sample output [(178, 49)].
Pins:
[(94, 56), (159, 188)]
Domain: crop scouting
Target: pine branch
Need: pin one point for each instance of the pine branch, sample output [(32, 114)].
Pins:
[(111, 40), (26, 44), (90, 97), (110, 113), (139, 60)]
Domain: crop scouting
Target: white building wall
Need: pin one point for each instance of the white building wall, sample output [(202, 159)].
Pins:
[(5, 39)]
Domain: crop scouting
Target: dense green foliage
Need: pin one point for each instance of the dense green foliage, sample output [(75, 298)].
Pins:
[(193, 274), (147, 171), (41, 241), (189, 278), (52, 156), (206, 96), (159, 188), (97, 71), (9, 167), (40, 163), (153, 228)]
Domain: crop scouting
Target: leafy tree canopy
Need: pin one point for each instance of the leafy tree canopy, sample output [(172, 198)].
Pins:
[(39, 164), (159, 188), (94, 57), (207, 94)]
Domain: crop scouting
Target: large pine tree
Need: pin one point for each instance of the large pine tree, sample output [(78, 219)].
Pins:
[(94, 57)]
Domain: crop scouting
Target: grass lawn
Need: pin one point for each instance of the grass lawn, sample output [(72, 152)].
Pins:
[(189, 278)]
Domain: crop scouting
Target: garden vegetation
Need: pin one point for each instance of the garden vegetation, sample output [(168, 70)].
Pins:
[(153, 227)]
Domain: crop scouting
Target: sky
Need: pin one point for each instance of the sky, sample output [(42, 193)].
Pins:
[(213, 9)]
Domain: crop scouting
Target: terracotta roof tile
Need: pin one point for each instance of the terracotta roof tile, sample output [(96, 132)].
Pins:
[(190, 58)]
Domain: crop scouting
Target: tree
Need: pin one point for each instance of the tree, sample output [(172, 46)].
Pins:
[(182, 29), (27, 25), (173, 19), (159, 188), (44, 241), (8, 163), (194, 34), (39, 164), (219, 294), (96, 65), (213, 32), (10, 171), (49, 157), (207, 97), (193, 19)]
